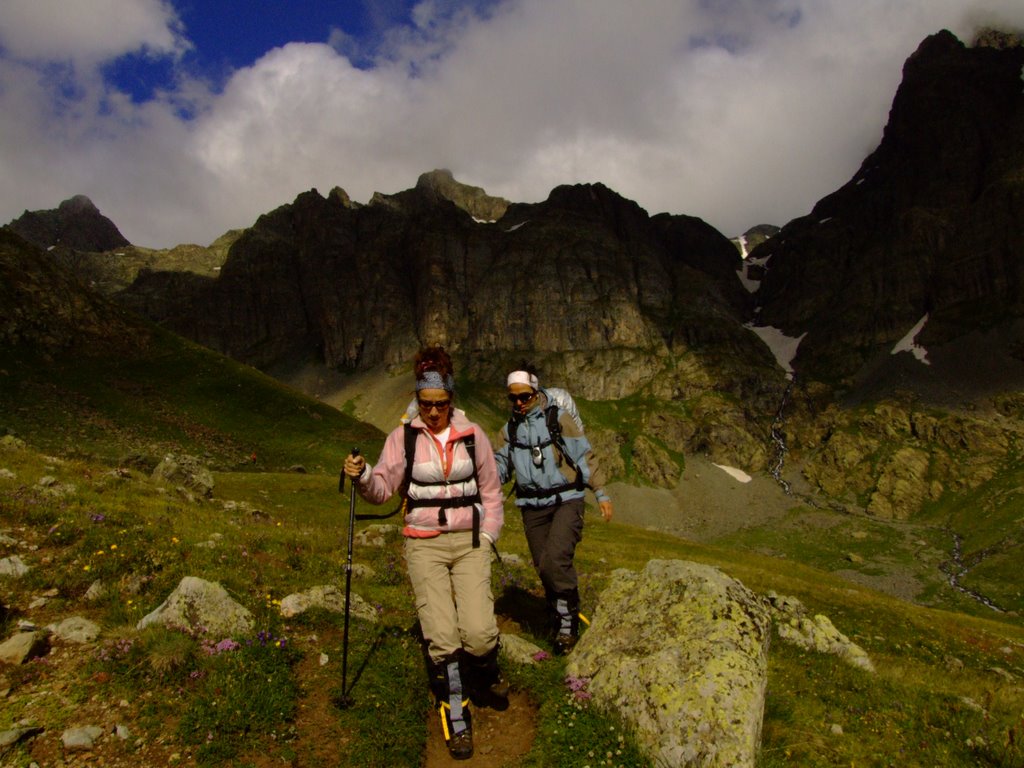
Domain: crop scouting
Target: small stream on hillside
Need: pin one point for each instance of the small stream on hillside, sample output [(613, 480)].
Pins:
[(956, 568), (778, 438)]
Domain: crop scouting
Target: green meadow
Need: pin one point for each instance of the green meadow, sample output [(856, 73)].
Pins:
[(947, 691)]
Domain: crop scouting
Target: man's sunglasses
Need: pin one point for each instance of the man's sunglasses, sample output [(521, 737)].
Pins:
[(429, 405), (521, 397)]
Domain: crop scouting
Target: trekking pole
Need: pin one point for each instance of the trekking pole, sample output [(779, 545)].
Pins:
[(345, 701)]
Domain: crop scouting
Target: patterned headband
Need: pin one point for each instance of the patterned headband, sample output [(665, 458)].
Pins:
[(434, 380)]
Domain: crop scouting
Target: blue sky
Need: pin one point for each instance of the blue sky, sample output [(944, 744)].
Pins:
[(228, 35), (182, 119)]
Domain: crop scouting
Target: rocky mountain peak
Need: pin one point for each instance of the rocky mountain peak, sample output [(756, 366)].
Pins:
[(76, 224), (473, 200), (78, 205)]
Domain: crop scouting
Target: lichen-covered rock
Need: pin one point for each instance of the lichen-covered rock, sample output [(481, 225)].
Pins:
[(519, 650), (186, 471), (81, 739), (680, 651), (815, 633), (13, 566), (75, 629), (330, 598), (201, 606)]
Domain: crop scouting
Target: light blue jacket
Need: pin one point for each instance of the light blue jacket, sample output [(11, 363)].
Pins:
[(552, 480)]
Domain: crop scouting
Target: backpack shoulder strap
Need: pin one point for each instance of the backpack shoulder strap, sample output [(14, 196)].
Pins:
[(410, 455), (554, 428), (470, 442)]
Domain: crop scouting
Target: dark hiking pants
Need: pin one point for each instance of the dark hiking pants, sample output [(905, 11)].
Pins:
[(552, 534)]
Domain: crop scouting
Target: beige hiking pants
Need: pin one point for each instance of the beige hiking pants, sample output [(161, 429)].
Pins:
[(451, 582)]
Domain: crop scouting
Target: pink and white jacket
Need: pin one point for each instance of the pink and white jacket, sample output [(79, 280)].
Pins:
[(439, 472)]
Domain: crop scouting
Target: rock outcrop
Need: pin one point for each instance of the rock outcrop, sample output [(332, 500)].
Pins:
[(605, 299)]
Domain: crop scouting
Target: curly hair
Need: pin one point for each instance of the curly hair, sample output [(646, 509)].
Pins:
[(433, 358)]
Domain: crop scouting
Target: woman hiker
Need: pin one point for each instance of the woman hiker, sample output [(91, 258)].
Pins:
[(453, 516), (543, 447)]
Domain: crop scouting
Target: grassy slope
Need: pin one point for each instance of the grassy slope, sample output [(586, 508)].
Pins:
[(175, 396), (940, 696)]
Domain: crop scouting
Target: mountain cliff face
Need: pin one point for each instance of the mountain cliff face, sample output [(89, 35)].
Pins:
[(929, 226), (906, 285), (586, 274)]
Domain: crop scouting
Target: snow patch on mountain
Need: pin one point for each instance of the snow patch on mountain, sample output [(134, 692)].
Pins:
[(909, 342), (783, 347)]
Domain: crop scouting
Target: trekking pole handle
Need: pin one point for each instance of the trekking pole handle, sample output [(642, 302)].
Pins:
[(341, 475)]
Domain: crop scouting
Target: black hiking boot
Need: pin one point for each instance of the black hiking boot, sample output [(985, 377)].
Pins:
[(564, 643), (565, 620), (489, 686), (461, 747)]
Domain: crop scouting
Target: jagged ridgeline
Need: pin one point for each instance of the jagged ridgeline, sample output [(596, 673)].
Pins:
[(868, 354)]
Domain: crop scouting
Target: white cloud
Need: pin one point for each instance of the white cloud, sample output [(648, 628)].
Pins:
[(58, 30), (738, 111)]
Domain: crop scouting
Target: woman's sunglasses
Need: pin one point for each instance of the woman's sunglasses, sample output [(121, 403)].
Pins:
[(429, 405), (521, 397)]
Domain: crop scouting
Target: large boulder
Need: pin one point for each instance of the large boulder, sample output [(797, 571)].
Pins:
[(680, 650)]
